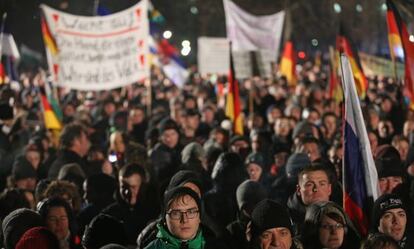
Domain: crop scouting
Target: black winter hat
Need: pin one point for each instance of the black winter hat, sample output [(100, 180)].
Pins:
[(176, 192), (22, 169), (295, 163), (388, 162), (113, 246), (256, 158), (182, 177), (102, 230), (167, 124), (249, 193), (17, 223), (382, 204), (6, 111), (269, 214)]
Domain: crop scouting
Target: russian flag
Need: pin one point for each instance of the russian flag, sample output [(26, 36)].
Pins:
[(360, 179), (171, 64)]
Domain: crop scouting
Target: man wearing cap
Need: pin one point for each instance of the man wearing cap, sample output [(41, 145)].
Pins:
[(390, 217), (271, 227), (166, 156), (389, 168)]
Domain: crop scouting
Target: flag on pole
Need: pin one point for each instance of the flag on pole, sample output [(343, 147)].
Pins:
[(360, 179), (334, 87), (2, 74), (288, 63), (50, 118), (344, 45), (399, 36), (233, 105), (48, 38), (171, 63)]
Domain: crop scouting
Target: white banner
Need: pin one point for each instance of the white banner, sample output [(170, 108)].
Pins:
[(100, 52), (249, 32), (8, 46), (213, 55)]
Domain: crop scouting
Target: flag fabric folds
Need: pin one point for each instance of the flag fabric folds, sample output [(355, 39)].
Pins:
[(360, 179), (334, 87), (50, 118), (397, 28), (233, 105), (171, 64), (48, 39), (344, 45), (288, 64)]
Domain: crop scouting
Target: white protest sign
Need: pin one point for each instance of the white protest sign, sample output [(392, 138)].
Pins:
[(242, 64), (213, 55), (248, 32), (100, 52)]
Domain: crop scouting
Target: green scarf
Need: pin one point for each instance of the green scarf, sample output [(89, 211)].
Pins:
[(197, 242)]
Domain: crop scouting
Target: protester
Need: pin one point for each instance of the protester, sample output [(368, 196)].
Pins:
[(38, 238), (271, 227)]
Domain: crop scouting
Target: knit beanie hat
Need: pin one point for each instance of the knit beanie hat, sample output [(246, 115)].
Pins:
[(388, 162), (38, 238), (167, 124), (102, 230), (192, 151), (255, 158), (17, 223), (296, 163), (184, 176), (383, 204), (269, 214), (173, 193), (6, 111), (22, 169), (249, 193), (113, 246), (302, 128)]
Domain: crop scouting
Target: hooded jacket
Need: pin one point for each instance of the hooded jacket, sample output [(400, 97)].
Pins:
[(167, 241)]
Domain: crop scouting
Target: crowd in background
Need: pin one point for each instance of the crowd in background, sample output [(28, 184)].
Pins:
[(159, 166)]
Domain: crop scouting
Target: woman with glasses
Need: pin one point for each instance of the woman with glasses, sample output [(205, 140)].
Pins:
[(327, 226), (180, 224)]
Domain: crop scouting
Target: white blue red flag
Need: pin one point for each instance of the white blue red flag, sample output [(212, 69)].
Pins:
[(360, 179)]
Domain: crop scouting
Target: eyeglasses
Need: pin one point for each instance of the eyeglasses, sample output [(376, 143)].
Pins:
[(178, 214), (332, 227)]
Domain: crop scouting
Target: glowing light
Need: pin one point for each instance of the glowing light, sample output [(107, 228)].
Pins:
[(185, 51), (167, 34), (358, 8), (194, 10), (315, 42), (302, 55), (337, 8), (384, 7), (411, 38), (186, 43)]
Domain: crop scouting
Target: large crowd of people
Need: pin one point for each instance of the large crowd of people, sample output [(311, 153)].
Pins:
[(155, 166)]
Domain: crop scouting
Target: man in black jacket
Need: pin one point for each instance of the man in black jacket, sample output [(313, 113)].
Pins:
[(74, 145)]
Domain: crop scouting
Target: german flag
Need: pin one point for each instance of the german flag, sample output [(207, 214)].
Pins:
[(48, 39), (344, 45), (2, 73), (233, 108), (288, 63), (334, 88), (399, 36), (50, 118)]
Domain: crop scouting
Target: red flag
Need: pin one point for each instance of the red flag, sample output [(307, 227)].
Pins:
[(396, 26), (344, 45), (233, 108)]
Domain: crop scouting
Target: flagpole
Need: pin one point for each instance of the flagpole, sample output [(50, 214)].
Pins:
[(95, 7), (3, 24)]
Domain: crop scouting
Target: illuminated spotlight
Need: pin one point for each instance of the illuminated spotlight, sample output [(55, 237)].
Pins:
[(302, 55), (315, 42), (411, 38), (185, 43), (167, 34), (185, 51), (384, 7), (337, 8), (194, 10), (358, 8)]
